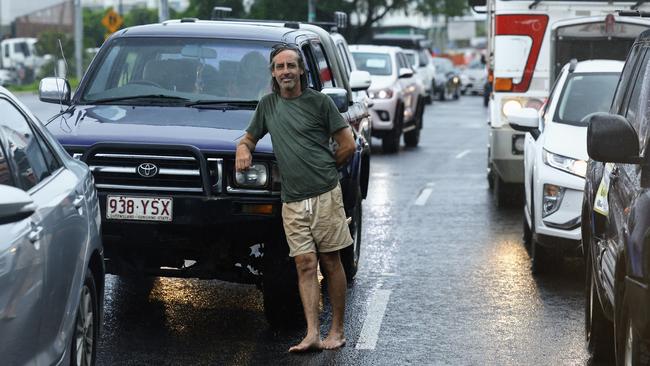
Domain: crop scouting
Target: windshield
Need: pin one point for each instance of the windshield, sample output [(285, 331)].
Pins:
[(411, 58), (443, 65), (584, 94), (374, 63), (180, 70)]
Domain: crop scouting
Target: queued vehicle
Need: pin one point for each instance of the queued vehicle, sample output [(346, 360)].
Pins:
[(555, 157), (398, 105), (616, 220), (51, 256), (473, 78), (157, 117), (447, 79), (425, 72)]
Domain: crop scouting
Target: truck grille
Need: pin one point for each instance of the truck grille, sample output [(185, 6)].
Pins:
[(139, 171)]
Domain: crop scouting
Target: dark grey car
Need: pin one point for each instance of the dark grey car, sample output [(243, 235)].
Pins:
[(51, 260)]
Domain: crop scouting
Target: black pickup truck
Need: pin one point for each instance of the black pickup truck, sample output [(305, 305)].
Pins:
[(157, 118)]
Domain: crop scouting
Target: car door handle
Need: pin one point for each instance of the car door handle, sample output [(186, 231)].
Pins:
[(78, 201), (35, 234)]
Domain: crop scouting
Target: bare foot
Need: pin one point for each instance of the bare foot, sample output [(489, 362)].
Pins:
[(309, 344), (333, 341)]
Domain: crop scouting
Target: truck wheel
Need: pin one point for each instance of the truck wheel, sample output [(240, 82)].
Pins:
[(599, 331), (390, 142), (412, 138), (350, 254), (86, 328), (282, 305)]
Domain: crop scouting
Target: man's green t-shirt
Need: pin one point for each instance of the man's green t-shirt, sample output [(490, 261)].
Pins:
[(300, 131)]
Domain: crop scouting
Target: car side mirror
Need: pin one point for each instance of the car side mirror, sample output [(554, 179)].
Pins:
[(612, 139), (525, 119), (339, 96), (15, 204), (405, 73), (54, 90), (360, 80)]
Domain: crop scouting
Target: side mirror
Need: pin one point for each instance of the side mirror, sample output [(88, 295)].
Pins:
[(15, 204), (404, 73), (339, 96), (525, 119), (611, 139), (54, 90), (360, 80)]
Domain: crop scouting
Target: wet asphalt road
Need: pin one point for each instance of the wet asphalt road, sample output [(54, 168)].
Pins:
[(450, 268)]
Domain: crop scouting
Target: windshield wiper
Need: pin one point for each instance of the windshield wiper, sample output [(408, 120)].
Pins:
[(223, 104), (156, 97), (637, 4), (534, 4)]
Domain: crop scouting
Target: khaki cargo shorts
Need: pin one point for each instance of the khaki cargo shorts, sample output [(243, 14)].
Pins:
[(317, 224)]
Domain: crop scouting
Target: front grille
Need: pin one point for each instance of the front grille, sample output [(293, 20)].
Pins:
[(177, 171)]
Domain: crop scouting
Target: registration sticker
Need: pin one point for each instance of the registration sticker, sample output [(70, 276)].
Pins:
[(601, 205)]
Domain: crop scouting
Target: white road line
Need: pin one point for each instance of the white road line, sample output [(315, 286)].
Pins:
[(423, 197), (462, 154), (371, 326)]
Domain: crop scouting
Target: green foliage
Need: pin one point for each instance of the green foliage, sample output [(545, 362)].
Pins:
[(202, 9), (140, 16), (289, 10), (48, 43), (94, 31)]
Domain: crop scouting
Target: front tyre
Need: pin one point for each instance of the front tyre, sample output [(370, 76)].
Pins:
[(282, 305), (350, 254), (86, 328), (631, 348)]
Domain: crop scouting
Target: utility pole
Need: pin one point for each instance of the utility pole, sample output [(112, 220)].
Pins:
[(78, 37), (163, 11), (311, 11)]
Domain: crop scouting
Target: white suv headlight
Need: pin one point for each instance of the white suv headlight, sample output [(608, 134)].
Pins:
[(256, 176), (381, 94), (569, 165)]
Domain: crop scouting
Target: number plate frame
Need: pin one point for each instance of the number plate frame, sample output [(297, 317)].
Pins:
[(141, 211)]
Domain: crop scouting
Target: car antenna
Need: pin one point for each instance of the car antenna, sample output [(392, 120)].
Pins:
[(66, 73)]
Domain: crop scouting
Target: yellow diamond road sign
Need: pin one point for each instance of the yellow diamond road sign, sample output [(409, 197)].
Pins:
[(112, 21)]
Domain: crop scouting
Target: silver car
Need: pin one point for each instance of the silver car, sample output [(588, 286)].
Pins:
[(51, 260)]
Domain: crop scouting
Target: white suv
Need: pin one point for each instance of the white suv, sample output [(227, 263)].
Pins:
[(425, 70), (396, 93), (555, 156)]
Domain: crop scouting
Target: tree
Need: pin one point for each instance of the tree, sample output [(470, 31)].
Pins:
[(202, 9), (94, 31), (140, 16)]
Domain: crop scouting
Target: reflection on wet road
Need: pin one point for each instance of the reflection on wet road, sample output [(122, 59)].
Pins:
[(450, 269)]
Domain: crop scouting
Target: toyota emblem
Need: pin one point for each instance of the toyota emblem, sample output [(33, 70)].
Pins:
[(147, 170)]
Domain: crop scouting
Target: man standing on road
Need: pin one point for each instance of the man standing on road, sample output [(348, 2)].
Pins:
[(301, 122)]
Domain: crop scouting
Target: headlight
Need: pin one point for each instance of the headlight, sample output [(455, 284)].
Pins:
[(455, 80), (255, 177), (381, 94), (569, 165), (511, 104)]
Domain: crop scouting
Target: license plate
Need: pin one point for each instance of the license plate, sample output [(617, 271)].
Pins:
[(139, 208)]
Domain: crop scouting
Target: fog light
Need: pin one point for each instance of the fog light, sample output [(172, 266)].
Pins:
[(383, 115), (517, 144), (552, 199)]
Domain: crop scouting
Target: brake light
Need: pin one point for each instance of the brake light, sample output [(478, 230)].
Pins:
[(533, 26)]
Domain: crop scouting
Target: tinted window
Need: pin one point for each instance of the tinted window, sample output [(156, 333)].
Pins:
[(324, 73), (411, 59), (374, 63), (624, 81), (443, 65), (584, 94), (5, 173), (638, 106), (24, 147)]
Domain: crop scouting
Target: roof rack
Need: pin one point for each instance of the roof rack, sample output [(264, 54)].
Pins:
[(340, 19), (633, 13)]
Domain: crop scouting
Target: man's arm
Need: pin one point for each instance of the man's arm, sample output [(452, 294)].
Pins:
[(243, 157), (344, 139)]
